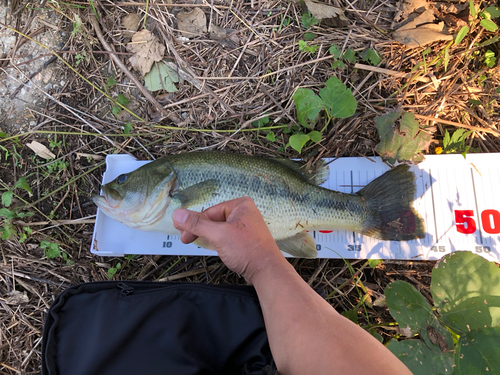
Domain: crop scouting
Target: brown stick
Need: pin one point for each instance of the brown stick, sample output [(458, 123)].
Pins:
[(495, 132), (121, 65)]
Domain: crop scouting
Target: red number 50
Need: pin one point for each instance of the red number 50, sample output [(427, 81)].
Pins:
[(490, 220)]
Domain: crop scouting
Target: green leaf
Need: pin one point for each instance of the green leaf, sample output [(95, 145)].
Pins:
[(7, 198), (338, 64), (478, 352), (373, 263), (116, 109), (472, 9), (420, 359), (161, 77), (466, 291), (352, 315), (309, 36), (462, 33), (6, 213), (7, 232), (411, 310), (309, 20), (111, 81), (23, 184), (270, 137), (475, 102), (377, 335), (335, 51), (127, 128), (51, 249), (489, 58), (370, 56), (349, 55), (489, 25), (494, 12), (405, 145), (308, 106), (123, 100), (297, 141), (261, 122), (339, 101), (315, 136)]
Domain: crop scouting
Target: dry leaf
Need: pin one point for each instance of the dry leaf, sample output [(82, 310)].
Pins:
[(193, 23), (406, 7), (324, 11), (131, 24), (223, 36), (16, 297), (421, 31), (147, 48), (41, 150), (405, 331)]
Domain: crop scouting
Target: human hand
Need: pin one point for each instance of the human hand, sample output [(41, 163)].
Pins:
[(236, 230)]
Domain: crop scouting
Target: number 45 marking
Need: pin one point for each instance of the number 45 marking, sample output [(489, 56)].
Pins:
[(490, 220)]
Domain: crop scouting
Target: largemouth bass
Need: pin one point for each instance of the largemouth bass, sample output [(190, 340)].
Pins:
[(288, 197)]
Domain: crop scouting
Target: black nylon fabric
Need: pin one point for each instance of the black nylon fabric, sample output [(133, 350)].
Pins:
[(120, 328)]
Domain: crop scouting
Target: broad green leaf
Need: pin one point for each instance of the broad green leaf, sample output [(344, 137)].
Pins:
[(7, 231), (466, 291), (335, 51), (462, 33), (478, 352), (127, 128), (420, 359), (395, 145), (23, 184), (338, 64), (411, 310), (352, 315), (161, 77), (7, 198), (297, 141), (308, 106), (339, 101), (494, 12), (349, 55), (475, 102), (409, 125), (489, 25), (51, 249), (309, 20), (261, 122), (270, 137), (6, 213), (123, 100), (309, 36), (315, 136), (111, 82), (370, 56)]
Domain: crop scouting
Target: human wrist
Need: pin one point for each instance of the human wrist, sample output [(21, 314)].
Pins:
[(268, 267)]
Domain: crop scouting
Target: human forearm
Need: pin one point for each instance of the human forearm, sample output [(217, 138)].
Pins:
[(307, 336)]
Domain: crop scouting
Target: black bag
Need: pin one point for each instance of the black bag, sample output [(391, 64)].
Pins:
[(151, 328)]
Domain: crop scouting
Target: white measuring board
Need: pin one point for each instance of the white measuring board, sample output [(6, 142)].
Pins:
[(458, 199)]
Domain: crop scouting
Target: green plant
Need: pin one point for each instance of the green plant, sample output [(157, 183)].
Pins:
[(489, 58), (81, 57), (7, 229), (334, 99), (460, 334), (123, 100), (404, 143), (53, 251), (456, 142), (112, 270), (77, 25), (349, 55), (309, 20), (304, 47), (371, 56)]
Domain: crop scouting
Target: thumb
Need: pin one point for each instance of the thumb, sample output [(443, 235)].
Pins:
[(193, 223)]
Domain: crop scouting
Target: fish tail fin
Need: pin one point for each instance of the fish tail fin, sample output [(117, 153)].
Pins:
[(389, 200)]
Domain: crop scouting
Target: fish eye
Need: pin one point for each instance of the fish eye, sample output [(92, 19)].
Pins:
[(121, 178)]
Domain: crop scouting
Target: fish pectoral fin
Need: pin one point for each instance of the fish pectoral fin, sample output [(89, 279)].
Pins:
[(301, 245), (197, 194)]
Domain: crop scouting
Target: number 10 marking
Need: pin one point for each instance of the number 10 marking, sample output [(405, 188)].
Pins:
[(490, 220)]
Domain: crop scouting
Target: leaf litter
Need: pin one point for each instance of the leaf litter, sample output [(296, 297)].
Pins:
[(147, 50)]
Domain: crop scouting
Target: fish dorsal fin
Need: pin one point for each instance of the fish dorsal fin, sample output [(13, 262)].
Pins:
[(315, 175), (301, 245), (196, 194)]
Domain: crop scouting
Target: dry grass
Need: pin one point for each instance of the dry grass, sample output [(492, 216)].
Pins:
[(229, 88)]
